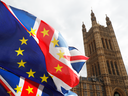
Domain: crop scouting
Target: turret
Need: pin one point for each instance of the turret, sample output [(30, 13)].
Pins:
[(93, 19), (109, 24), (83, 28)]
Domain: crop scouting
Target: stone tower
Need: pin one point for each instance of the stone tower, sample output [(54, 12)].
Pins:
[(105, 61)]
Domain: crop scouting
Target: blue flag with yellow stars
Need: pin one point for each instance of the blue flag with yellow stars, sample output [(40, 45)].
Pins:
[(19, 52)]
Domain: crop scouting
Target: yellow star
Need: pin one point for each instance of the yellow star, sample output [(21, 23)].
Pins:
[(19, 51), (58, 68), (30, 73), (32, 32), (21, 63), (18, 89), (23, 41), (29, 90), (60, 55), (55, 42), (9, 92), (44, 78), (45, 32)]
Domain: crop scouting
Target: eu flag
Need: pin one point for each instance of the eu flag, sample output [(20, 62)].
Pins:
[(19, 52)]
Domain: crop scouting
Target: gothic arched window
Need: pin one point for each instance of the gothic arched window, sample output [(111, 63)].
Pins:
[(106, 43), (98, 68), (116, 68), (94, 44), (110, 44), (108, 67), (112, 68), (103, 42)]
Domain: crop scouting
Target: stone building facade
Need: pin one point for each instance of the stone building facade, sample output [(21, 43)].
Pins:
[(106, 73)]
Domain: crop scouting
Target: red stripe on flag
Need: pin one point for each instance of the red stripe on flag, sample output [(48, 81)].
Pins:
[(29, 85), (6, 87), (67, 57), (79, 57)]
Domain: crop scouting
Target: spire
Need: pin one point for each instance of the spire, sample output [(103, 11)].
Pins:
[(83, 28), (108, 22), (93, 18)]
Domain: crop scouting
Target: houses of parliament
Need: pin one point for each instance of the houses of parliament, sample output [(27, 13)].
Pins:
[(106, 72)]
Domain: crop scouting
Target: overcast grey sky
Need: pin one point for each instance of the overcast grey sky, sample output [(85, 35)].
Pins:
[(67, 16)]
